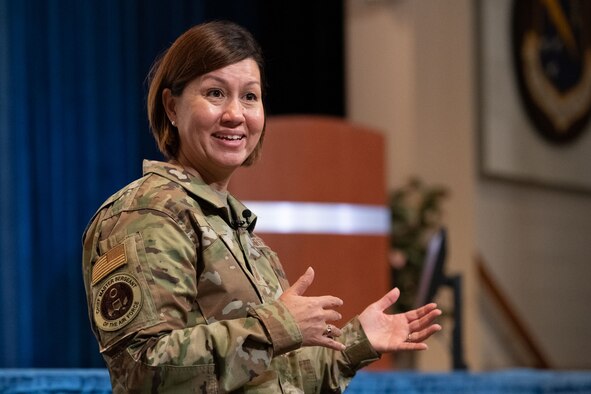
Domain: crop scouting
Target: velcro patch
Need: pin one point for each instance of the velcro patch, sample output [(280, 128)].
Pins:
[(117, 302), (109, 262)]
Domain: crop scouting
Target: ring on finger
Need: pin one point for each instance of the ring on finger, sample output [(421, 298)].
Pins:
[(328, 331), (408, 338)]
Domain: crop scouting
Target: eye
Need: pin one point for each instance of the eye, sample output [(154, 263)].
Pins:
[(215, 93), (251, 97)]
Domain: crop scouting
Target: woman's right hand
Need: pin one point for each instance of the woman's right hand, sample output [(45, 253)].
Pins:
[(313, 314)]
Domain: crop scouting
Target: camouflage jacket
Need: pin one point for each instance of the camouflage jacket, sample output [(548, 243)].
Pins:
[(181, 302)]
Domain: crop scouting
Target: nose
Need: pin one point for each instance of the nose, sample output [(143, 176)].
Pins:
[(233, 111)]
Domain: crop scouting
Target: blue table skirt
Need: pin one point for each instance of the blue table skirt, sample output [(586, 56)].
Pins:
[(41, 381), (96, 381), (501, 382)]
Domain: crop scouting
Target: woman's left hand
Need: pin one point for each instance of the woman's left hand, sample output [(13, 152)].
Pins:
[(403, 331)]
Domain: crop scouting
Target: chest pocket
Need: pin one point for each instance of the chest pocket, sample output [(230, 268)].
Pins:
[(236, 270), (224, 289), (267, 268)]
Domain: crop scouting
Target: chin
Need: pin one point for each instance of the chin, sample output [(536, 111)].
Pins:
[(232, 163)]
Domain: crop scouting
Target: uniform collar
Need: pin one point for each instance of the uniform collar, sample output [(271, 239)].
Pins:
[(195, 185)]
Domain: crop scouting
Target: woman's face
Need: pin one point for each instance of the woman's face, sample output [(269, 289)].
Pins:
[(220, 118)]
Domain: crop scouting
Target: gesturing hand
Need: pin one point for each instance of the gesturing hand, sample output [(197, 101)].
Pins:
[(403, 331), (313, 313)]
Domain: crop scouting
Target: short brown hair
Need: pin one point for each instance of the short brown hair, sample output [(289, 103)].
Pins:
[(203, 48)]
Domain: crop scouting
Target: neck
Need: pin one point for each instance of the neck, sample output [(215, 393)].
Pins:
[(217, 181)]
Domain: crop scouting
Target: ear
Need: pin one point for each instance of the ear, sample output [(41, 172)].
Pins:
[(169, 103)]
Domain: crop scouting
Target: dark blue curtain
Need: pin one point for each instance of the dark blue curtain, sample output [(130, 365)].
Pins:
[(73, 130)]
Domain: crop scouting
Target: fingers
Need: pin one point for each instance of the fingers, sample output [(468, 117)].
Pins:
[(332, 344), (313, 314), (327, 316), (327, 338), (331, 315), (335, 332), (421, 327), (414, 346), (416, 340), (388, 299), (422, 320), (301, 285), (420, 312), (328, 302), (422, 335)]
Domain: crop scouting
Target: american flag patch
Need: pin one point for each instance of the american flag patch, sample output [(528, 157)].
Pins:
[(108, 262)]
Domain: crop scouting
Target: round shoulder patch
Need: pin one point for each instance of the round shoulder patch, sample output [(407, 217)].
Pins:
[(118, 301)]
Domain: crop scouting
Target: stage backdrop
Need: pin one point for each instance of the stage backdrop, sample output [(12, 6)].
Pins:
[(73, 131)]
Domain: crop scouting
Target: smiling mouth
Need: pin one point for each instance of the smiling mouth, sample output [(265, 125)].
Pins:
[(229, 137)]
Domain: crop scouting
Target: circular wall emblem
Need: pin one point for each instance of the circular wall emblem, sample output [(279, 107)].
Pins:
[(118, 301), (552, 60)]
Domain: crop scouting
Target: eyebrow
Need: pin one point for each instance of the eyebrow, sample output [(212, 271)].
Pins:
[(222, 80)]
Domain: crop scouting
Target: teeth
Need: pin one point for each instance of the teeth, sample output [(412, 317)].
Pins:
[(229, 137)]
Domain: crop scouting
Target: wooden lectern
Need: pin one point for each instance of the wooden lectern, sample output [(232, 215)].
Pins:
[(329, 161)]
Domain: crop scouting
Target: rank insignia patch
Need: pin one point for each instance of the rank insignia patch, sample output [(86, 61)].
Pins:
[(117, 302)]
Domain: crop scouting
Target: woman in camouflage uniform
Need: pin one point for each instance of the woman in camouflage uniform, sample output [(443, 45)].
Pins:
[(183, 296)]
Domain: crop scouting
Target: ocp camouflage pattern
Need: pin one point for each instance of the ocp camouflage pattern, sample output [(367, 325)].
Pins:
[(184, 303)]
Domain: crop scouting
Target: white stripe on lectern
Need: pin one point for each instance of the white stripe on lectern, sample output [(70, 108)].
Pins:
[(320, 218)]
